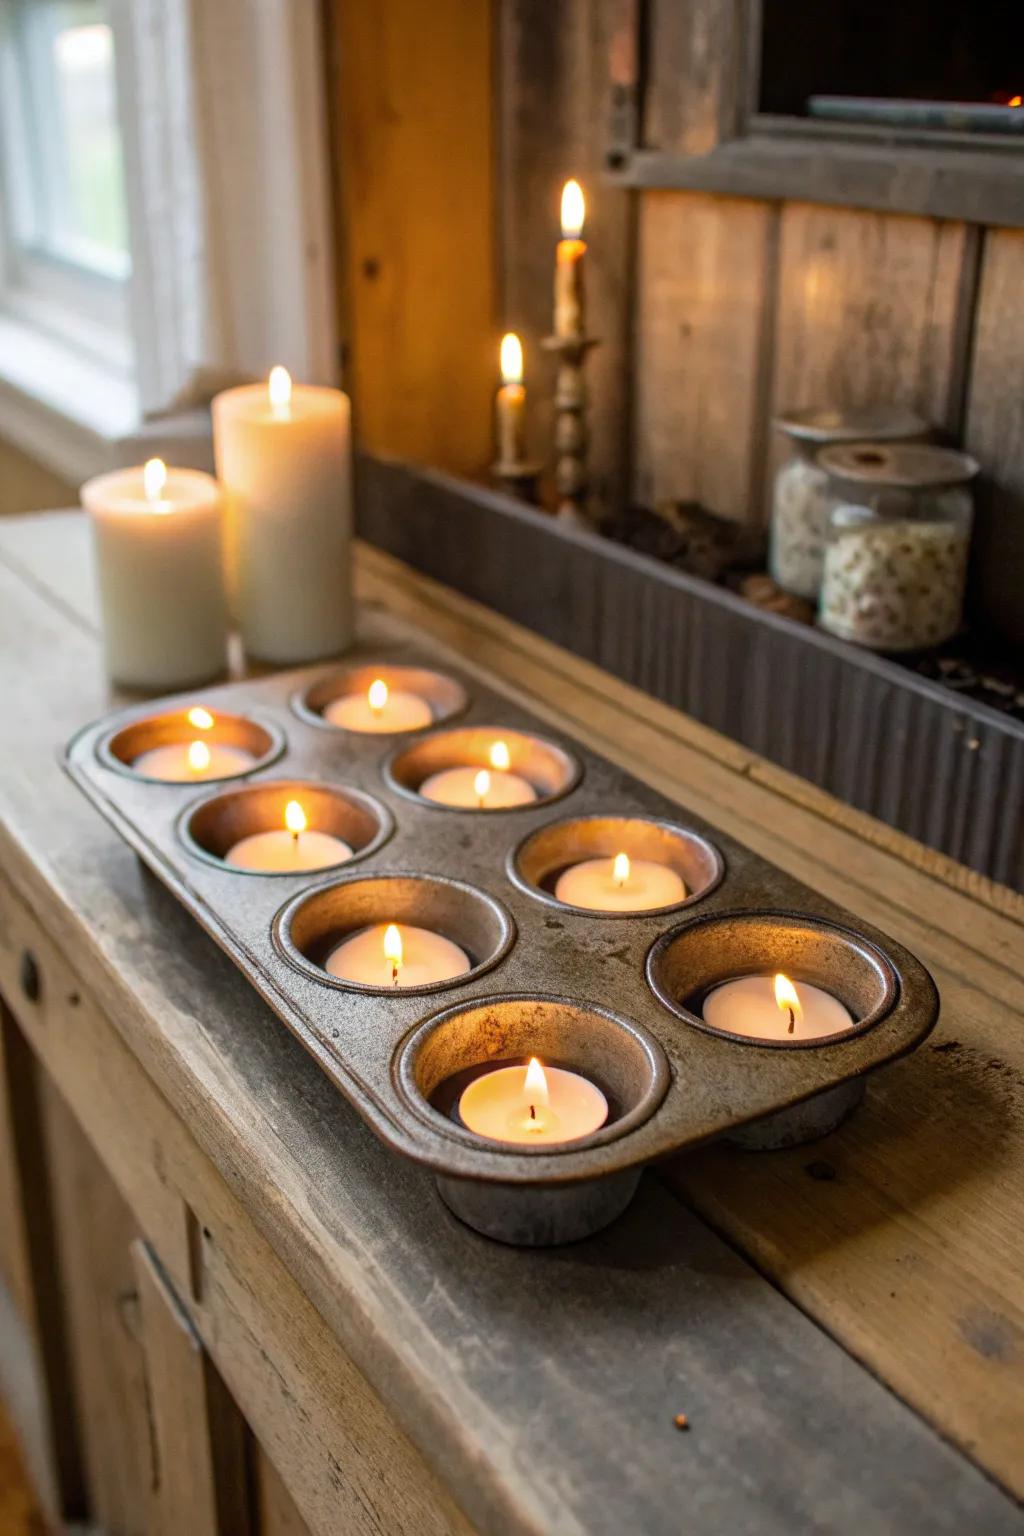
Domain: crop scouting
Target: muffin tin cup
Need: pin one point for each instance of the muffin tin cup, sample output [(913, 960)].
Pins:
[(479, 881), (445, 695), (690, 961), (310, 926), (621, 1058), (552, 770), (121, 747), (535, 865), (810, 1121), (211, 827)]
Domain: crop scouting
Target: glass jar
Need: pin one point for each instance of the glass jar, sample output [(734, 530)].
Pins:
[(798, 502), (899, 527)]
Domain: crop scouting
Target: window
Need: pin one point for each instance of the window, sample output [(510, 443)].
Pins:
[(66, 247)]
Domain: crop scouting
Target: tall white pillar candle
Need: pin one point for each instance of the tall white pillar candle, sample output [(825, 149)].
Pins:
[(158, 541), (284, 457)]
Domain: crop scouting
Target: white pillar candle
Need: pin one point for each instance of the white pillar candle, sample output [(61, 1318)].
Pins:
[(284, 457), (620, 884), (480, 789), (389, 956), (193, 760), (158, 541), (379, 710), (290, 848), (774, 1008), (533, 1105)]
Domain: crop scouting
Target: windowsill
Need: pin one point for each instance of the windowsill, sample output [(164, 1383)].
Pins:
[(79, 418)]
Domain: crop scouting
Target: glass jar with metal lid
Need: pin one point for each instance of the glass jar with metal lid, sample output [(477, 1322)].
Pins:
[(798, 502), (899, 527)]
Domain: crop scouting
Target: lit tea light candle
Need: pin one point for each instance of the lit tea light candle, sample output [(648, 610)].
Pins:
[(158, 539), (182, 761), (480, 789), (291, 848), (570, 317), (619, 885), (388, 956), (380, 710), (533, 1105), (775, 1008)]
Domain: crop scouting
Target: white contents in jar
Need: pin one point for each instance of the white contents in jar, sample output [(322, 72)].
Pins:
[(799, 519), (893, 585)]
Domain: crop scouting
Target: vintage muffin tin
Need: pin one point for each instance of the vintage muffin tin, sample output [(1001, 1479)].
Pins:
[(609, 995)]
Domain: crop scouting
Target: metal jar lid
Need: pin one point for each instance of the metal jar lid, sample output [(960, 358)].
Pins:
[(904, 466), (880, 423)]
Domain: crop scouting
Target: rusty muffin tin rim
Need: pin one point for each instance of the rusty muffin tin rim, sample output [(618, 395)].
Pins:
[(549, 899), (285, 945), (406, 1054), (857, 941), (109, 759), (302, 709), (573, 781), (353, 1035), (367, 802)]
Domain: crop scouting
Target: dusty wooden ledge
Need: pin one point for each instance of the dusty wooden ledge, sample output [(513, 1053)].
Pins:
[(540, 1387)]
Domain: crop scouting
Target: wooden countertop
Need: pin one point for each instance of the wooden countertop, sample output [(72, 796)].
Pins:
[(542, 1386)]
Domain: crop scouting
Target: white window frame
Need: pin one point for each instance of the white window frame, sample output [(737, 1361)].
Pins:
[(226, 159)]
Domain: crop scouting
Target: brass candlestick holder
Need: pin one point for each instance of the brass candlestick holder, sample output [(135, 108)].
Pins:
[(571, 435)]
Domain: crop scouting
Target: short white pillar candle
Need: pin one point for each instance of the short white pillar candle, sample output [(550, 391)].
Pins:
[(379, 710), (620, 884), (159, 560), (533, 1105), (289, 849), (284, 457), (775, 1008), (387, 955)]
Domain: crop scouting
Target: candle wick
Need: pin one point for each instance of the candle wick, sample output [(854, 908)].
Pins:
[(533, 1113), (792, 1021), (394, 973)]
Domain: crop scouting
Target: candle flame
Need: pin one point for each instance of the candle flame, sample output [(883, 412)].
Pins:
[(620, 868), (786, 996), (535, 1085), (1015, 101), (573, 210), (200, 718), (500, 757), (154, 478), (295, 818), (377, 695), (393, 946), (482, 785), (198, 756), (280, 388), (511, 359)]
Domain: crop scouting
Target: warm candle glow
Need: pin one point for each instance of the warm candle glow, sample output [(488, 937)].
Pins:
[(393, 950), (535, 1085), (295, 818), (573, 210), (500, 757), (200, 718), (1016, 101), (620, 868), (280, 389), (198, 756), (482, 785), (511, 359), (154, 478), (377, 694), (787, 1000)]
